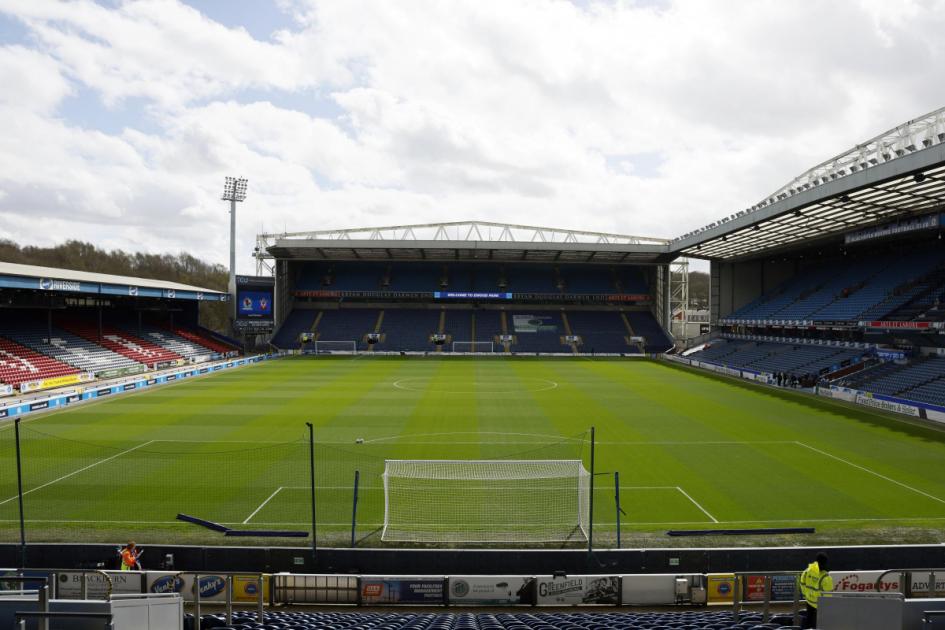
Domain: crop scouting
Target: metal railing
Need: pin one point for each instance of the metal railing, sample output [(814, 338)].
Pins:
[(738, 600)]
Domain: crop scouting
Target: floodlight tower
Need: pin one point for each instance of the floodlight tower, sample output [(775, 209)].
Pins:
[(234, 190)]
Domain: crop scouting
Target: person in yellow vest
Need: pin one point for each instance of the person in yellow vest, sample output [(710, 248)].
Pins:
[(814, 581), (129, 557)]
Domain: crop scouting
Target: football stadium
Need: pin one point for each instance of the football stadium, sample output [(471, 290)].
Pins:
[(431, 403)]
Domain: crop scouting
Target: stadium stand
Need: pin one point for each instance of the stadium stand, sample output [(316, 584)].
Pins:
[(205, 339), (645, 325), (408, 329), (168, 340), (487, 325), (133, 347), (457, 326), (922, 380), (65, 347), (347, 325), (771, 357), (861, 288), (538, 331), (701, 620), (19, 364), (297, 322), (600, 331)]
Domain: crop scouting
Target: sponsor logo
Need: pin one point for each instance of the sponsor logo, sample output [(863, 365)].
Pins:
[(104, 391), (250, 588), (171, 377), (39, 405), (47, 284), (199, 296), (855, 584), (128, 386), (724, 588), (459, 588), (151, 381), (71, 398), (211, 585), (372, 589), (132, 291), (204, 370), (167, 584), (4, 413)]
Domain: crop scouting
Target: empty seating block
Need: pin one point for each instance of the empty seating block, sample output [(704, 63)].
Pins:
[(140, 350), (19, 364), (66, 347), (600, 331), (611, 620)]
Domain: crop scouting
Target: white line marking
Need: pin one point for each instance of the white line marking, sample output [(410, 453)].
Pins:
[(696, 503), (76, 472), (262, 505), (872, 472)]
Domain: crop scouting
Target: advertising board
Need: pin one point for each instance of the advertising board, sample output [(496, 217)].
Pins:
[(576, 590), (402, 590), (97, 584), (489, 590), (212, 587), (720, 587)]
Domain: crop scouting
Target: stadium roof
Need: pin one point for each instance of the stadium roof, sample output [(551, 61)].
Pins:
[(17, 276), (464, 240), (898, 174)]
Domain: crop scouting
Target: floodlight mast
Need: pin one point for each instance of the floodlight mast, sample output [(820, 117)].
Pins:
[(234, 190)]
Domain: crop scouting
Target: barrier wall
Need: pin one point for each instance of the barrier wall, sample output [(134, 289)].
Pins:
[(884, 403), (91, 392)]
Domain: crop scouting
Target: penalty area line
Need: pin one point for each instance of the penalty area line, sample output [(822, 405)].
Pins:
[(872, 472), (76, 472), (262, 505), (696, 503)]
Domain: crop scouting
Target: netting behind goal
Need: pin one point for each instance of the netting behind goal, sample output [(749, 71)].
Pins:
[(485, 501), (472, 346), (328, 347)]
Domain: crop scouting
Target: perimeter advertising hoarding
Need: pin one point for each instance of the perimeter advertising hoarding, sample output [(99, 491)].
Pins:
[(490, 590), (97, 585), (576, 590), (402, 590), (782, 588), (212, 587), (721, 588)]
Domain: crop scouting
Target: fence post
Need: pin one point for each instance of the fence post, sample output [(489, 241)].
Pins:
[(19, 493), (229, 600), (796, 607), (354, 507), (617, 503), (196, 589), (43, 622), (590, 516), (259, 598), (311, 480), (767, 608)]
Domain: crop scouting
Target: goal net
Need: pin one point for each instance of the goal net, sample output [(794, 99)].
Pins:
[(329, 347), (472, 346), (485, 501)]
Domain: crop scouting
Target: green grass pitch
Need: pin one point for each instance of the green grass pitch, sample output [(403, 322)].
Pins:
[(692, 450)]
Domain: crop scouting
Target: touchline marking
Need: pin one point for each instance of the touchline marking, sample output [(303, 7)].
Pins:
[(76, 472), (872, 472), (262, 505), (696, 503)]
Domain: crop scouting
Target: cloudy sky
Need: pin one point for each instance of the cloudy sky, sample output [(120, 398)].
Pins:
[(652, 117)]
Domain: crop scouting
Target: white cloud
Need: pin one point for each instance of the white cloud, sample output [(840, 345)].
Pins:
[(606, 116)]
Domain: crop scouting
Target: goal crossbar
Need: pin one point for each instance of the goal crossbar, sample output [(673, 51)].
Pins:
[(488, 501)]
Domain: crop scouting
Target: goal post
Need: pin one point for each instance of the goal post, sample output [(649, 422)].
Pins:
[(331, 347), (486, 501), (473, 346)]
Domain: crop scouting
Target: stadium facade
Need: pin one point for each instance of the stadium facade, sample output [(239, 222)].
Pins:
[(836, 278)]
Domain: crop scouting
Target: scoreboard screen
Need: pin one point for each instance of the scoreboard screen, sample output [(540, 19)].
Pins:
[(254, 299)]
